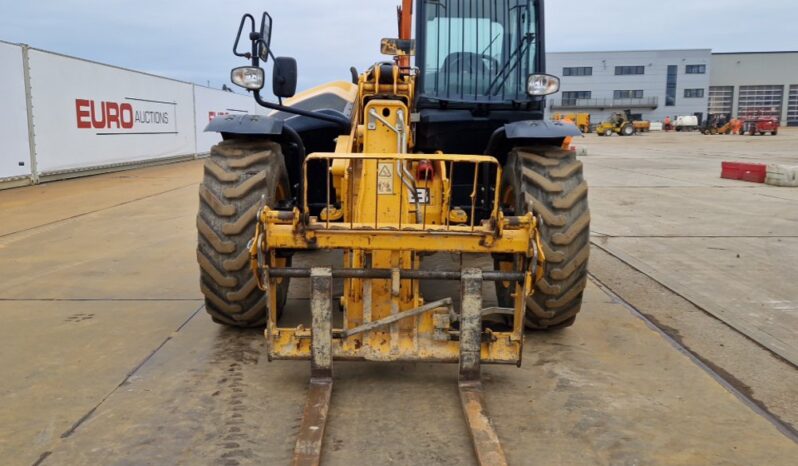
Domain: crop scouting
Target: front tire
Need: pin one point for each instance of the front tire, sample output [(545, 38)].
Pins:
[(237, 173), (548, 181)]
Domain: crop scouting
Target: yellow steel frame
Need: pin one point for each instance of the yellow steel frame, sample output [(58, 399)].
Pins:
[(382, 224)]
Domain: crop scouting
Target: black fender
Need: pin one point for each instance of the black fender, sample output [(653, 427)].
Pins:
[(525, 132), (246, 124), (540, 129)]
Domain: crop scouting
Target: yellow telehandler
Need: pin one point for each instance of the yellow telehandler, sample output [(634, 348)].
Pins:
[(447, 154)]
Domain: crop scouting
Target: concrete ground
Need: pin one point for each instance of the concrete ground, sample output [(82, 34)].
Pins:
[(109, 358), (659, 204)]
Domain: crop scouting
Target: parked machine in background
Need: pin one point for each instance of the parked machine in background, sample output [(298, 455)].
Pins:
[(717, 124), (619, 123), (760, 124), (581, 120), (449, 154), (642, 126)]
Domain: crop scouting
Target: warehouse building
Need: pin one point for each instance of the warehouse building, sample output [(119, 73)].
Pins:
[(654, 84), (765, 83)]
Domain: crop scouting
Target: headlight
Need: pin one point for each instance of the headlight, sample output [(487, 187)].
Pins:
[(542, 84), (248, 77)]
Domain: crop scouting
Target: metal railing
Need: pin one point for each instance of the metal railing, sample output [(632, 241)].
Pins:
[(646, 102), (400, 161)]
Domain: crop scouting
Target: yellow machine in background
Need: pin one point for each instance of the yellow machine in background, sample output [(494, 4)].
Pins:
[(642, 126), (581, 120), (619, 123)]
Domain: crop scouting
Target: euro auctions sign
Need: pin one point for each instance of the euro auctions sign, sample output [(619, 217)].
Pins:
[(130, 116)]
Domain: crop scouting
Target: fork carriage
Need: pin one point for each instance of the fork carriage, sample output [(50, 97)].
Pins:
[(384, 239), (385, 222)]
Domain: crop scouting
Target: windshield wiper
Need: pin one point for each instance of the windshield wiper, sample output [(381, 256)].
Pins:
[(511, 63)]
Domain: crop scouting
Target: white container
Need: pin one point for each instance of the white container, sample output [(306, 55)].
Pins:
[(101, 116), (14, 148), (687, 121), (782, 175), (656, 126)]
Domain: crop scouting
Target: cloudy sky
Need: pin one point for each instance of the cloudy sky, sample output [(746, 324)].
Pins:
[(192, 40)]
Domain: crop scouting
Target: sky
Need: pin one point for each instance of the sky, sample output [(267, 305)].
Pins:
[(192, 40)]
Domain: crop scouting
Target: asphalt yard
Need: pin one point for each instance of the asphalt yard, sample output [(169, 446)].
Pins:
[(685, 352)]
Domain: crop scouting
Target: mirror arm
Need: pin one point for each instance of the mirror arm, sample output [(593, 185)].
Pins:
[(240, 30), (343, 123)]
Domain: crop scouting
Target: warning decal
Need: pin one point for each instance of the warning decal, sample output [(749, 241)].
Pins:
[(385, 178)]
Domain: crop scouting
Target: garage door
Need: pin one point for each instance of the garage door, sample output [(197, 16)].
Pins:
[(761, 100), (792, 106), (721, 100)]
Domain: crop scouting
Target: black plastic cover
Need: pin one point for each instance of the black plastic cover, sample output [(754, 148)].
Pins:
[(245, 124), (540, 129)]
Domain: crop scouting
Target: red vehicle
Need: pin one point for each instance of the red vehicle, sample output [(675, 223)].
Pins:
[(760, 125)]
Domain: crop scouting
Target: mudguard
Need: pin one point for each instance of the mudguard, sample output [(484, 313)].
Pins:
[(246, 124), (540, 129)]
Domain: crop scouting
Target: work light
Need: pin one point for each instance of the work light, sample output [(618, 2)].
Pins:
[(542, 84), (248, 77)]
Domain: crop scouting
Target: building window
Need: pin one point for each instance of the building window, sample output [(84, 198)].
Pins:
[(696, 69), (670, 86), (570, 97), (626, 70), (760, 101), (694, 93), (628, 94), (578, 71), (721, 100)]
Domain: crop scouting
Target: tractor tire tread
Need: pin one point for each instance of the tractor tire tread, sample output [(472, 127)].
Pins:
[(541, 181), (237, 173), (241, 190), (553, 180), (246, 162), (568, 201), (572, 233), (538, 160), (219, 207), (548, 216), (215, 274), (216, 241), (245, 220), (216, 171), (237, 263), (566, 171)]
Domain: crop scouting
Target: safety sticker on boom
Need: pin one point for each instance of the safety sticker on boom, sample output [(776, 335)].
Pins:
[(385, 178)]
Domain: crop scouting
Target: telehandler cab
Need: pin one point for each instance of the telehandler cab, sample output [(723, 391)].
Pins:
[(449, 153)]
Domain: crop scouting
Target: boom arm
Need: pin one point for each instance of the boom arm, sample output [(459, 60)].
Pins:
[(405, 19), (405, 13)]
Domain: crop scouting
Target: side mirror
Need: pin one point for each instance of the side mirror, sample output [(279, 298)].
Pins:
[(265, 37), (398, 47), (284, 77)]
